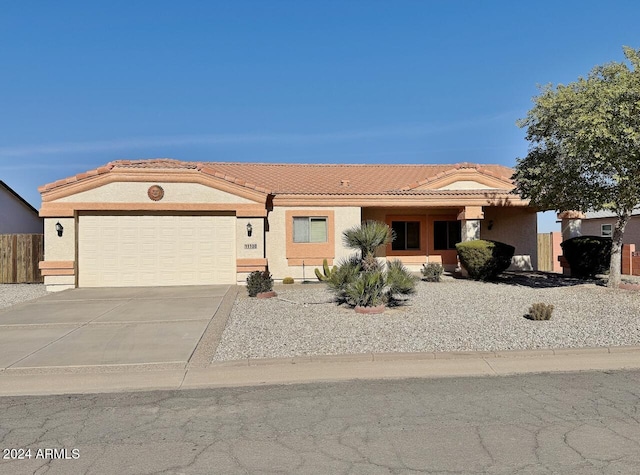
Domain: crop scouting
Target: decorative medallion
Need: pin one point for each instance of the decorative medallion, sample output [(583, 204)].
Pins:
[(155, 192)]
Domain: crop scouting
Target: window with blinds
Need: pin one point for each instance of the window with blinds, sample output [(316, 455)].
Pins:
[(309, 229)]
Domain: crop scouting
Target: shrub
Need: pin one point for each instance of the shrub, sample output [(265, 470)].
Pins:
[(366, 290), (540, 311), (587, 255), (258, 282), (432, 272), (357, 287), (288, 280), (483, 259)]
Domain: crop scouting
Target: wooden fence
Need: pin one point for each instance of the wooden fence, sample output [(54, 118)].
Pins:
[(545, 253), (19, 258), (548, 251)]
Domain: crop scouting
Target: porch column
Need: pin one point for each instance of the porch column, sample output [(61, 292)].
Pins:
[(571, 224), (470, 217)]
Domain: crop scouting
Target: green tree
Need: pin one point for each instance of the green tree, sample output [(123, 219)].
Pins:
[(584, 149)]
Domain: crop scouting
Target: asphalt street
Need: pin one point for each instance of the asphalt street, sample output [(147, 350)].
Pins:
[(575, 423)]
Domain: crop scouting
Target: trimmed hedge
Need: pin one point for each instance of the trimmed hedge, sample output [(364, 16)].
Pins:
[(484, 259), (587, 255)]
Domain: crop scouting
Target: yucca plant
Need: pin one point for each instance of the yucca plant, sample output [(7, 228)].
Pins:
[(361, 280), (368, 237)]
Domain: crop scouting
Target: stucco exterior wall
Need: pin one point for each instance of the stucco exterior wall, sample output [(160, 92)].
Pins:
[(592, 227), (517, 227), (276, 241), (133, 192), (16, 217), (250, 247), (60, 249)]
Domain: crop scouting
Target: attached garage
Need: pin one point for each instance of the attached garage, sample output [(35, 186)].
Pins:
[(152, 223), (155, 249)]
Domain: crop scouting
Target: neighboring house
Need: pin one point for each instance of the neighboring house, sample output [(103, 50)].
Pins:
[(167, 222), (601, 223), (16, 215)]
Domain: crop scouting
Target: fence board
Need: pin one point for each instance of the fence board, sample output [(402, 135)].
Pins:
[(545, 252), (19, 258)]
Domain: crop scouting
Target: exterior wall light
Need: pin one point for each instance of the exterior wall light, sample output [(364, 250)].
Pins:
[(59, 228), (249, 229)]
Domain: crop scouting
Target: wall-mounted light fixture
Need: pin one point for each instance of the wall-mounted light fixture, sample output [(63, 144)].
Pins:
[(59, 228), (490, 225), (249, 229)]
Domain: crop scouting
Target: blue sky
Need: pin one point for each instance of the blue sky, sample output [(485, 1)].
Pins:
[(84, 83)]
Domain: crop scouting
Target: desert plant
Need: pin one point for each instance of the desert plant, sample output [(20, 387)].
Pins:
[(366, 290), (483, 259), (361, 280), (367, 237), (288, 280), (325, 274), (258, 282), (540, 311), (432, 272), (399, 280), (587, 255), (345, 272)]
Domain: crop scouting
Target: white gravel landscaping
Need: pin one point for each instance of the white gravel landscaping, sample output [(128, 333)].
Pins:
[(11, 294), (454, 315)]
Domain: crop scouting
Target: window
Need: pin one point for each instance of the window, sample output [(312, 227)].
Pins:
[(407, 235), (310, 229), (446, 234), (606, 230)]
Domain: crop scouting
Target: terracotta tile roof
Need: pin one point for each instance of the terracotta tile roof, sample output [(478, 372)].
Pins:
[(287, 178)]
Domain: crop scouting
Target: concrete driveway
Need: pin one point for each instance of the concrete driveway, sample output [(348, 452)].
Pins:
[(112, 326)]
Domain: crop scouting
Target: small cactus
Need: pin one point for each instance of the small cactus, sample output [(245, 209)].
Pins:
[(326, 271), (540, 311)]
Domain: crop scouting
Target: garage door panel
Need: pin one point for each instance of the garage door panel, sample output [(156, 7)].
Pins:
[(155, 250)]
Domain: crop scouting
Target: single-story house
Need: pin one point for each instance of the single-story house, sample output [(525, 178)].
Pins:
[(169, 222), (601, 223), (17, 216)]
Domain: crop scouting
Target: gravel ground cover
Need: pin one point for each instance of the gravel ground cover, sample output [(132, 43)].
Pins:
[(453, 315), (11, 294)]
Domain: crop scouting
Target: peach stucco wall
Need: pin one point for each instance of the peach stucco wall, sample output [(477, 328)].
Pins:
[(592, 227), (276, 240), (517, 227)]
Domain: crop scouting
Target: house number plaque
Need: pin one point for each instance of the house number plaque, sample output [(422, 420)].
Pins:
[(251, 246)]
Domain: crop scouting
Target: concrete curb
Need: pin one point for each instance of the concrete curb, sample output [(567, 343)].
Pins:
[(98, 379), (210, 339), (433, 355)]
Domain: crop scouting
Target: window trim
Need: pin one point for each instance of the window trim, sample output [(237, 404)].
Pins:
[(309, 219), (602, 231), (448, 221), (311, 253), (449, 257), (422, 219)]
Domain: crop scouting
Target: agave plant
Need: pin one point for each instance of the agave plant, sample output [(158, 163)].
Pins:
[(360, 280)]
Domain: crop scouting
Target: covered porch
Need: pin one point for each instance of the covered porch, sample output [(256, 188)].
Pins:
[(429, 234)]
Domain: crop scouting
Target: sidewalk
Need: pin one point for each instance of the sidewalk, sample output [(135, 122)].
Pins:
[(118, 378)]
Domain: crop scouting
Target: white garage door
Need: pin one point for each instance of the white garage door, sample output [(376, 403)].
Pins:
[(124, 251)]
